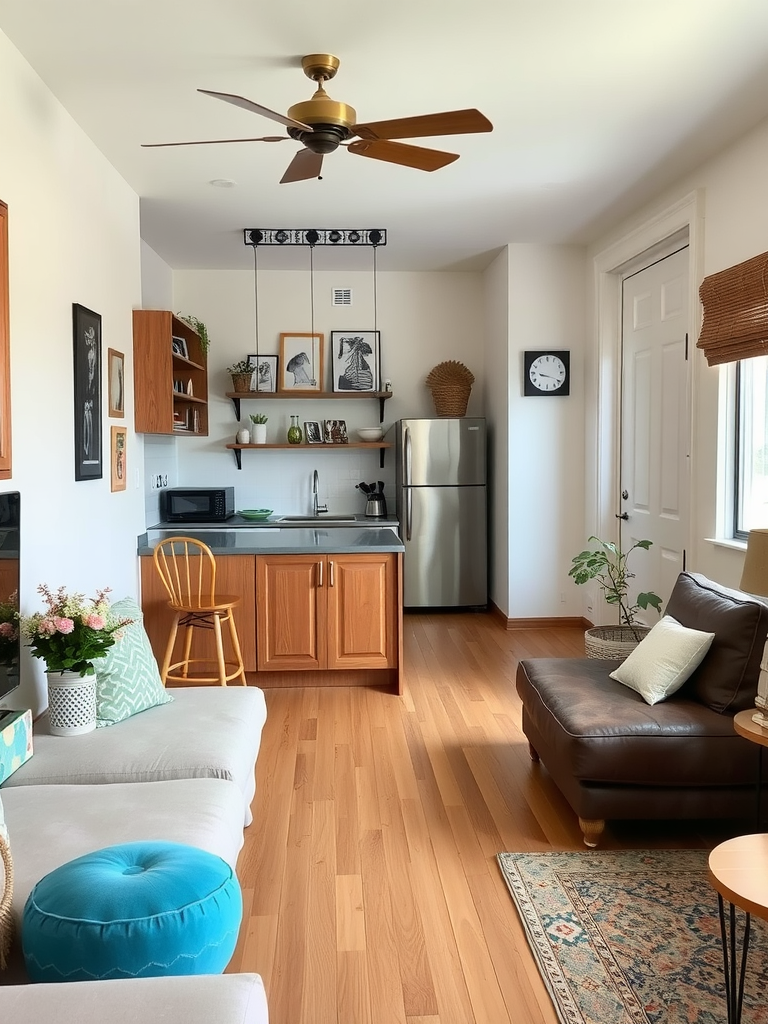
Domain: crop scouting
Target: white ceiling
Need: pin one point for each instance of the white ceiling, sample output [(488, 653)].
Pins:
[(596, 106)]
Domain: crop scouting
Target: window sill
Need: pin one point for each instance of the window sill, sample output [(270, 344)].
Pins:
[(723, 542)]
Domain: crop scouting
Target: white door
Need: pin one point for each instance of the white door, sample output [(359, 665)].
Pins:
[(654, 477)]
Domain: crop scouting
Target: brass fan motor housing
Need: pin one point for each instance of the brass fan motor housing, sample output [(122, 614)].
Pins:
[(321, 109)]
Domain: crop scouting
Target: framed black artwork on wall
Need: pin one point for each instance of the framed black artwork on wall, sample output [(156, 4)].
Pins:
[(86, 331)]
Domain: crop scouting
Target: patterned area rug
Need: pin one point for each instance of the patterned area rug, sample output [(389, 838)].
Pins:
[(631, 937)]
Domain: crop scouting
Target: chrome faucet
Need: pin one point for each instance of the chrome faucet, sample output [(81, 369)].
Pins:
[(316, 509)]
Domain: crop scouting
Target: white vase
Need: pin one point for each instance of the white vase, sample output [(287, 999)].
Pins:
[(71, 703), (258, 433)]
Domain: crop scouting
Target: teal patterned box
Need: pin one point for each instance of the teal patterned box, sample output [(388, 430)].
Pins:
[(15, 741)]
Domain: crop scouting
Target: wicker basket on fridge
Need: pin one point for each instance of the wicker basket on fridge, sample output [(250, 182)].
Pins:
[(450, 383), (613, 641)]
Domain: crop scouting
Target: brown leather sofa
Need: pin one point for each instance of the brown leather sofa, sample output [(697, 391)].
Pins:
[(614, 756)]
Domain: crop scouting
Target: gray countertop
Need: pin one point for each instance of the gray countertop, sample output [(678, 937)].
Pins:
[(271, 539)]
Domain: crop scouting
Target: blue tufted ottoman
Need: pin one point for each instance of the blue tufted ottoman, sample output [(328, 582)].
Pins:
[(133, 911)]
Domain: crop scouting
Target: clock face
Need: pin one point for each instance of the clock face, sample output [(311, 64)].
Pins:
[(546, 373)]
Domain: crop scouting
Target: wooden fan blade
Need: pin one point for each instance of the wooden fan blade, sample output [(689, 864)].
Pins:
[(214, 142), (256, 108), (397, 153), (305, 164), (451, 122)]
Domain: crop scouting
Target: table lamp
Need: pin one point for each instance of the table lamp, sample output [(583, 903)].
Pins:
[(754, 580)]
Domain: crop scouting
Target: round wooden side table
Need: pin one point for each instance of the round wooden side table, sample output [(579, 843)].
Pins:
[(738, 871), (745, 726)]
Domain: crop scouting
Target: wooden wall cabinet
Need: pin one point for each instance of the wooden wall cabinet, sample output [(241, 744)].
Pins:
[(327, 611), (5, 351), (158, 408)]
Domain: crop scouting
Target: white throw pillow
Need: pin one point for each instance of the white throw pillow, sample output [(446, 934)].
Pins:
[(663, 660)]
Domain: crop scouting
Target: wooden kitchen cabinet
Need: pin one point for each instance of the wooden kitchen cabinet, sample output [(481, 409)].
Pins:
[(327, 611), (162, 377)]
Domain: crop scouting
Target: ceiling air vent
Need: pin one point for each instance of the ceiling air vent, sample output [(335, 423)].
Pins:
[(341, 297)]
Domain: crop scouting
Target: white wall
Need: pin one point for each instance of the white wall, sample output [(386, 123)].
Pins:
[(74, 237), (735, 228), (424, 318)]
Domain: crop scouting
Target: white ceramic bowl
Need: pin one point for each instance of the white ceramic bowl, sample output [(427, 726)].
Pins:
[(370, 433)]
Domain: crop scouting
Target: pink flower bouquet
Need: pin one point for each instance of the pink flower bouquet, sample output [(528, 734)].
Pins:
[(73, 630)]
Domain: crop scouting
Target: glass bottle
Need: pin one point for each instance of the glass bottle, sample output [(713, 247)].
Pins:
[(294, 431)]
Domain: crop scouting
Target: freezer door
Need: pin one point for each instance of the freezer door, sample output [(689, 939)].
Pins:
[(441, 452), (445, 562)]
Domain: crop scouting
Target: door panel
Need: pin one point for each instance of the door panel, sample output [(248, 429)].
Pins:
[(289, 589), (655, 423), (361, 611)]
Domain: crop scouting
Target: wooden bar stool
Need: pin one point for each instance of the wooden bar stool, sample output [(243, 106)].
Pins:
[(187, 568)]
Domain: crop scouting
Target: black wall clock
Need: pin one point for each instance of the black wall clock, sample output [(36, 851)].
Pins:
[(547, 372)]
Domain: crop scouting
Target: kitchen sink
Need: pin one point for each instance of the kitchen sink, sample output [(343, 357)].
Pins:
[(318, 520)]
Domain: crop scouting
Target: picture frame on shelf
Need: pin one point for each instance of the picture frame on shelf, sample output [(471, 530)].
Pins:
[(312, 432), (116, 382), (86, 337), (264, 373), (118, 445), (179, 346), (356, 360), (301, 362), (335, 432)]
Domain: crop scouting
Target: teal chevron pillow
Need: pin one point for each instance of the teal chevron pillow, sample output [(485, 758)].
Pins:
[(127, 677)]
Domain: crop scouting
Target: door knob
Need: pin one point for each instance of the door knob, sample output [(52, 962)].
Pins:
[(624, 515)]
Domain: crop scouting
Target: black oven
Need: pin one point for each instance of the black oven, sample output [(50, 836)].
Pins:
[(199, 504)]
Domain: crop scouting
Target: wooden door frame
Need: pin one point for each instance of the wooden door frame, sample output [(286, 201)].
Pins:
[(681, 222)]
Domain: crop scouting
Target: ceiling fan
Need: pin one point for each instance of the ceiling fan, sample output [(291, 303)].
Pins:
[(323, 124)]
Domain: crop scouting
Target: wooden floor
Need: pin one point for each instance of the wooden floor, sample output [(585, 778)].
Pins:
[(369, 878)]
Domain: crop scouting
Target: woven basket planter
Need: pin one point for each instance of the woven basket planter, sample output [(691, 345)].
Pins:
[(613, 641), (242, 381), (451, 384)]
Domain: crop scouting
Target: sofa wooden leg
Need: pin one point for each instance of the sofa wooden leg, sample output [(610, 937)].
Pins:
[(591, 829), (533, 752)]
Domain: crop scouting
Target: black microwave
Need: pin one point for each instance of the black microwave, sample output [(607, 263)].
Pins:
[(199, 504)]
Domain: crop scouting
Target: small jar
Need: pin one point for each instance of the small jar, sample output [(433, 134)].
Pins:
[(244, 436), (294, 431)]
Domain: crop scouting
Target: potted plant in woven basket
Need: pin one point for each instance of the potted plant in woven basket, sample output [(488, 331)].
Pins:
[(607, 565), (450, 383), (242, 374)]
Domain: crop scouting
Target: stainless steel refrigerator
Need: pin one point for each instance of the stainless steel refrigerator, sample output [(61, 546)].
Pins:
[(441, 505)]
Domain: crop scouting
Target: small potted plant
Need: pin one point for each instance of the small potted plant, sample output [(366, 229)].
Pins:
[(258, 428), (199, 328), (242, 375), (607, 565)]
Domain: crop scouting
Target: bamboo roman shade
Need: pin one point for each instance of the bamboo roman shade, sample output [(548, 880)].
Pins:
[(735, 304)]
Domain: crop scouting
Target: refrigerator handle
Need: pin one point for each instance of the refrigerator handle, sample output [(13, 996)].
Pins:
[(408, 512), (407, 458)]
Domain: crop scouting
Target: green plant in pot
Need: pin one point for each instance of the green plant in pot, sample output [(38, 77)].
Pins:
[(199, 328), (608, 566), (258, 427), (242, 374)]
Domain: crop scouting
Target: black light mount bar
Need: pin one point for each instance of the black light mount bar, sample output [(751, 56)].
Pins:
[(315, 236)]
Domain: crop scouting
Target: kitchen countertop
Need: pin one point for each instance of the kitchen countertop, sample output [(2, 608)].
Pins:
[(270, 539), (360, 520)]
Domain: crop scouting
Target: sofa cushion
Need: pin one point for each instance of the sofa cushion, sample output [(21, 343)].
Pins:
[(6, 890), (663, 660), (727, 678), (127, 677), (137, 910), (591, 729), (234, 998)]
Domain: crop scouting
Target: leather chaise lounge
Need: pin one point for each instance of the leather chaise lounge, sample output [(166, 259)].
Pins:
[(614, 756)]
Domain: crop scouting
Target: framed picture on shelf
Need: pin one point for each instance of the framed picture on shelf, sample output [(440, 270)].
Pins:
[(301, 362), (179, 346), (86, 332), (355, 360), (119, 440), (335, 432), (264, 373), (312, 432), (116, 379)]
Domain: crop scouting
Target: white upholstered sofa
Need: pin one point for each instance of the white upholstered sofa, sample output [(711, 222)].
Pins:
[(181, 772)]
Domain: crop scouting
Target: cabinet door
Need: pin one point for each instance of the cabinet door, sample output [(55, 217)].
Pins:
[(290, 592), (362, 611)]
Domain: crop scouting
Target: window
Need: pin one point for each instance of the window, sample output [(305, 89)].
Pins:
[(751, 437)]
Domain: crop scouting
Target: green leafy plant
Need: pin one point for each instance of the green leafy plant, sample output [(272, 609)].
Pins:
[(258, 417), (242, 366), (607, 565), (199, 328)]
